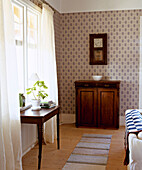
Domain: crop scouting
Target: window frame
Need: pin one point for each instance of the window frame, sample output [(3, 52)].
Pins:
[(31, 7)]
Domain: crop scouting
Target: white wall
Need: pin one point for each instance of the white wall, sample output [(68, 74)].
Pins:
[(29, 136), (69, 6), (55, 4)]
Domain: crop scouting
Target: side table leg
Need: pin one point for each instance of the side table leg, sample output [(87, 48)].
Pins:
[(58, 139), (40, 144)]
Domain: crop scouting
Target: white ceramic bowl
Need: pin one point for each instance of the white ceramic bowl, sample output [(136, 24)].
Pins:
[(97, 77)]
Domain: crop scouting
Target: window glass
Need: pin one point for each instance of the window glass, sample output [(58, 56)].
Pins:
[(18, 27), (26, 26), (32, 28)]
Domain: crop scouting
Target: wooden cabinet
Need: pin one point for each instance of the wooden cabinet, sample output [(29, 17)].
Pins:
[(107, 108), (97, 103), (87, 102)]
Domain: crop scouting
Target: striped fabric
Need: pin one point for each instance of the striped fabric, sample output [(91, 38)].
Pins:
[(133, 121)]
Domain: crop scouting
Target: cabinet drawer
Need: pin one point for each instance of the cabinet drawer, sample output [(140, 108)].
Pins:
[(108, 85), (84, 85), (99, 84)]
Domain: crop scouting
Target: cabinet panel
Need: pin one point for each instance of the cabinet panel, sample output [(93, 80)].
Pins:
[(97, 103), (87, 106), (107, 100)]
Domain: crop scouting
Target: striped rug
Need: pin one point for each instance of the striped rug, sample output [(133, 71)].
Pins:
[(90, 153)]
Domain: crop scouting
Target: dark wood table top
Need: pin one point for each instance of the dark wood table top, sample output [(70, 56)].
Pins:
[(28, 116)]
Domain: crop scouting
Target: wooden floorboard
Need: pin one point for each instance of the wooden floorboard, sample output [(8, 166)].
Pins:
[(53, 159)]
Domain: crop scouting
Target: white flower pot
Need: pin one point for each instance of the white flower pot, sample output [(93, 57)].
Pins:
[(35, 104)]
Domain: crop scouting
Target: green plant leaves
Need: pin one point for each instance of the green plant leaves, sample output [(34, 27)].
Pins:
[(40, 90), (29, 92), (28, 89), (42, 94)]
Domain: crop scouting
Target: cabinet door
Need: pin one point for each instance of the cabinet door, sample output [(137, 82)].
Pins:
[(107, 108), (86, 107)]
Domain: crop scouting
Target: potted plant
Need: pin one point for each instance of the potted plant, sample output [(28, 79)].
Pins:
[(38, 93)]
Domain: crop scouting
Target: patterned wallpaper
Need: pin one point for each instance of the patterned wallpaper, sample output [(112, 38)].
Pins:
[(123, 30), (72, 52), (57, 27)]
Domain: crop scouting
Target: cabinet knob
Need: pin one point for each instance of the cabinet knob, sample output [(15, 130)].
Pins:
[(106, 85)]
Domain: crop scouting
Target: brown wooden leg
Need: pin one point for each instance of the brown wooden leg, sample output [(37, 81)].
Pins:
[(43, 143), (40, 144), (58, 139)]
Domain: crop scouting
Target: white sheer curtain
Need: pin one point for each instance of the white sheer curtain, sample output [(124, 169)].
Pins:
[(48, 71), (10, 127)]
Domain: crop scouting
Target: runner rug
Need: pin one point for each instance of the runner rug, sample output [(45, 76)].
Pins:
[(90, 153)]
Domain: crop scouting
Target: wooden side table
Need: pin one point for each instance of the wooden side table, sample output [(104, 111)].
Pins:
[(39, 117)]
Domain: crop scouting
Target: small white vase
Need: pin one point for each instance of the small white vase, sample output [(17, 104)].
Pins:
[(35, 104)]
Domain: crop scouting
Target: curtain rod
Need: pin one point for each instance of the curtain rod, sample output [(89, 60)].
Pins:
[(43, 1)]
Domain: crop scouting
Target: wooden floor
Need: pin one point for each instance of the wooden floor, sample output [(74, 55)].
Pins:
[(53, 159)]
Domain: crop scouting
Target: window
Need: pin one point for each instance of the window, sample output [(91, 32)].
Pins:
[(27, 39)]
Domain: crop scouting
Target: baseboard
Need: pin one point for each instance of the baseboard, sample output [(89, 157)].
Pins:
[(121, 120), (29, 148), (67, 118), (70, 118)]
